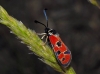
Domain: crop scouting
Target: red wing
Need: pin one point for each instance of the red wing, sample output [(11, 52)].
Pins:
[(61, 51), (53, 40)]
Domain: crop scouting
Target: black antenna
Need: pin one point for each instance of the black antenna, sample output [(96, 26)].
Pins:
[(40, 23), (46, 16)]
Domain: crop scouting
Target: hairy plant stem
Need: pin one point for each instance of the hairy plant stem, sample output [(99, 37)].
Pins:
[(31, 39)]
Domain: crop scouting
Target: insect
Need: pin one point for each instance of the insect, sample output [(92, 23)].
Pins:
[(61, 51)]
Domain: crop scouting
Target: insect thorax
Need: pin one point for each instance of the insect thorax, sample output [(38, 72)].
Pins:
[(50, 31)]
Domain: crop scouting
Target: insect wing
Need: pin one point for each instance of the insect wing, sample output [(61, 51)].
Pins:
[(62, 53)]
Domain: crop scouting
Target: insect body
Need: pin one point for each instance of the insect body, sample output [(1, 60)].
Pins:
[(62, 53)]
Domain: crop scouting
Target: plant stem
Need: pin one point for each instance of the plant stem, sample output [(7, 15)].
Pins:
[(31, 39)]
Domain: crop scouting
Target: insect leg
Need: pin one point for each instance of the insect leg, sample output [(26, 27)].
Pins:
[(45, 40), (41, 33), (43, 37)]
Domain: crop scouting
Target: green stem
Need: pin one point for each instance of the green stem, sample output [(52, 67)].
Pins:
[(31, 39)]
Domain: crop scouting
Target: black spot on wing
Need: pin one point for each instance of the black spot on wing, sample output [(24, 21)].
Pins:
[(59, 43), (63, 59), (58, 52), (67, 52)]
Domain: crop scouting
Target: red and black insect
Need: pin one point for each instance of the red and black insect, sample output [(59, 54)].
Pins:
[(62, 53)]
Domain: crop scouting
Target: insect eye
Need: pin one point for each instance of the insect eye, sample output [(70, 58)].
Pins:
[(59, 43)]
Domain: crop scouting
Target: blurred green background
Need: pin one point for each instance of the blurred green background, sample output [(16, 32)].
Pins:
[(77, 22)]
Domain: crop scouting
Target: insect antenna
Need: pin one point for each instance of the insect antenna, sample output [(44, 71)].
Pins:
[(46, 26), (44, 11), (40, 23)]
